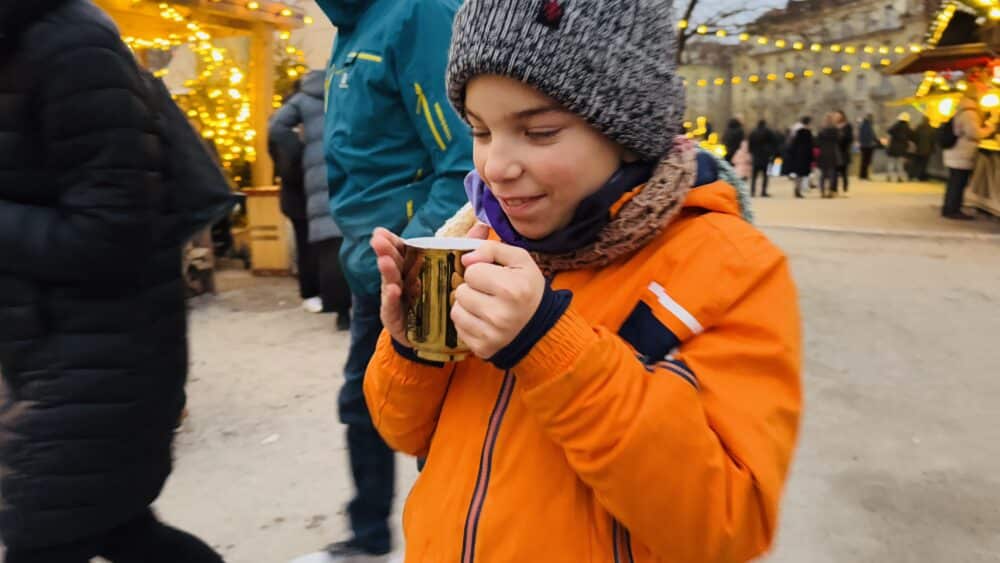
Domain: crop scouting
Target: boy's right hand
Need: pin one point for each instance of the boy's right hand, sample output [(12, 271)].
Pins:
[(389, 249)]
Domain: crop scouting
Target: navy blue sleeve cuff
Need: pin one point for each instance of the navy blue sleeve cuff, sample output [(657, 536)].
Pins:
[(550, 310), (411, 354)]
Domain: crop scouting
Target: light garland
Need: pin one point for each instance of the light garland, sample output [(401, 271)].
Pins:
[(218, 100), (789, 75), (800, 45)]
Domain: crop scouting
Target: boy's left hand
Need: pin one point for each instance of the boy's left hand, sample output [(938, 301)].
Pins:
[(502, 290)]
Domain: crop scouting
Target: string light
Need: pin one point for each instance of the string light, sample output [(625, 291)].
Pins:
[(788, 75), (217, 96), (782, 43)]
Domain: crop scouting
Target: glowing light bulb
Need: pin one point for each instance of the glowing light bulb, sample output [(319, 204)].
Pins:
[(946, 106)]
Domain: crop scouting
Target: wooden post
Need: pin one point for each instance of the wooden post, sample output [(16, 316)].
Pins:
[(262, 98)]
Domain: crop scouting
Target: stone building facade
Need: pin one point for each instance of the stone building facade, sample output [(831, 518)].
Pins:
[(781, 102)]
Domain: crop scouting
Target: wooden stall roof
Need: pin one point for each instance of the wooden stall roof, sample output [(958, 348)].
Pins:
[(954, 57)]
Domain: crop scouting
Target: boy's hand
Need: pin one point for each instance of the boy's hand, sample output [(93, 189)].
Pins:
[(502, 290), (389, 248)]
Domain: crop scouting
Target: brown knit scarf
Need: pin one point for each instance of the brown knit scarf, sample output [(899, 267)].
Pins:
[(639, 220)]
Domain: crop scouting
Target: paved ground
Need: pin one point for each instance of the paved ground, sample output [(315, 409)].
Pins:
[(901, 438), (872, 207)]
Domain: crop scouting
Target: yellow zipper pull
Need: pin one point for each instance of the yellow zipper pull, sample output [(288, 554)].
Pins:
[(409, 210)]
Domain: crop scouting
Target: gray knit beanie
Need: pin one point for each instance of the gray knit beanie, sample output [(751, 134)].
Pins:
[(608, 61)]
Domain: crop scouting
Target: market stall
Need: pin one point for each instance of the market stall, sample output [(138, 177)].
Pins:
[(961, 47), (239, 64)]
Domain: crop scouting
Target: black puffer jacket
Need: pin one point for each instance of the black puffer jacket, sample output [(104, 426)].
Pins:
[(92, 319)]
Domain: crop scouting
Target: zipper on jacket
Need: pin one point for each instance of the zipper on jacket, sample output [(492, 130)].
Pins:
[(485, 467), (425, 108), (621, 541)]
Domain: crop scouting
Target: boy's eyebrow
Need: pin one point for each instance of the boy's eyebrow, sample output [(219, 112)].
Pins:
[(524, 114)]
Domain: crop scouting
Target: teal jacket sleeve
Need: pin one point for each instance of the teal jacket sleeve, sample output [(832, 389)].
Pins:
[(420, 58)]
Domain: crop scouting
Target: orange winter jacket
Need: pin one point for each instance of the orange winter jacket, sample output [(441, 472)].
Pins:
[(654, 422)]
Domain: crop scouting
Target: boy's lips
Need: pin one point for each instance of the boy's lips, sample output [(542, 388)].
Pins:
[(515, 206)]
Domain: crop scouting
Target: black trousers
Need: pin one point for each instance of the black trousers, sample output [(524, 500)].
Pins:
[(841, 175), (955, 193), (320, 273), (828, 181), (866, 162), (143, 539), (333, 286), (307, 259), (762, 170), (919, 167)]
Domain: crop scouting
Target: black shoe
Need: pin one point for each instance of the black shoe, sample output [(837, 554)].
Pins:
[(959, 216), (343, 321), (352, 549), (765, 195), (799, 195)]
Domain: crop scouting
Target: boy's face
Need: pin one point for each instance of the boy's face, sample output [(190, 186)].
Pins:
[(538, 159)]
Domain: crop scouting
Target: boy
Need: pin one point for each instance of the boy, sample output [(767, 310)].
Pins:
[(634, 392)]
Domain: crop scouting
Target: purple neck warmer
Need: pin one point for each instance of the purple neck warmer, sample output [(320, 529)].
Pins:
[(592, 215)]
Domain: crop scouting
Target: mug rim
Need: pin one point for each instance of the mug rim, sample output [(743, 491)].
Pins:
[(444, 243)]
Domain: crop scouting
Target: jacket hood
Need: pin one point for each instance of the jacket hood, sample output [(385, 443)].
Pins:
[(344, 14), (16, 15), (314, 83)]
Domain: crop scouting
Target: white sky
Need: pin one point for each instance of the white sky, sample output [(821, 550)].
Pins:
[(707, 7)]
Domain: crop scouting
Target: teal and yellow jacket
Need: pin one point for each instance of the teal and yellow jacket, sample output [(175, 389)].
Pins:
[(396, 152)]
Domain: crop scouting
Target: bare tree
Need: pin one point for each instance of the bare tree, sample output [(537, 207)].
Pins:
[(733, 20)]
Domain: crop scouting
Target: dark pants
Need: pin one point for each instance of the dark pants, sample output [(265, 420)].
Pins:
[(955, 193), (841, 175), (307, 259), (333, 286), (828, 182), (320, 273), (866, 162), (762, 170), (143, 539), (373, 464), (918, 167)]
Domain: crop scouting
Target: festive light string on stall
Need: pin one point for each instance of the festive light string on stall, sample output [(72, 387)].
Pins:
[(217, 99), (788, 75), (802, 45)]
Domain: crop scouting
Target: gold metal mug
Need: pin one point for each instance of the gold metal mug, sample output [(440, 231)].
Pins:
[(432, 270)]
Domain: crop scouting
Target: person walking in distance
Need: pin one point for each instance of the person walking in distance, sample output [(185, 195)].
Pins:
[(93, 343), (969, 128), (925, 138), (830, 159), (800, 155), (846, 135), (867, 142), (397, 156), (900, 138), (763, 149), (732, 138), (318, 236)]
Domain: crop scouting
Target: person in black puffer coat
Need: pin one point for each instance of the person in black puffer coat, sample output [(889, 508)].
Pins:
[(93, 350), (800, 155), (315, 229)]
